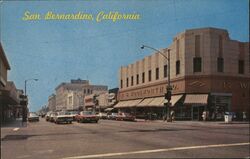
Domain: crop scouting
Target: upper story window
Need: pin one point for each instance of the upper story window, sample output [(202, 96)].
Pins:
[(137, 79), (143, 77), (220, 64), (157, 73), (132, 80), (197, 64), (165, 71), (241, 66), (177, 67), (127, 82), (149, 75)]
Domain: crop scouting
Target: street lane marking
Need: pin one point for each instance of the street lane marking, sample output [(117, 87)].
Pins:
[(157, 150), (16, 129)]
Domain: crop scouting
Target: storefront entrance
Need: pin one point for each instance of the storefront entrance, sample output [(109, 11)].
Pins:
[(197, 112)]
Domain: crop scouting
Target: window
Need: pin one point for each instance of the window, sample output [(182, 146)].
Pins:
[(137, 79), (121, 83), (70, 100), (197, 64), (241, 66), (157, 73), (143, 77), (177, 67), (165, 71), (88, 91), (149, 75), (220, 64), (132, 80), (84, 91), (197, 45), (127, 82)]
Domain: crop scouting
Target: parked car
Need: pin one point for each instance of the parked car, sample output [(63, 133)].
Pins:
[(73, 114), (125, 117), (87, 116), (52, 116), (47, 116), (112, 116), (102, 115), (63, 117), (33, 117)]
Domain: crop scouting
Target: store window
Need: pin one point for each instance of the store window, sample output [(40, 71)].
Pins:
[(157, 73), (177, 67), (241, 66), (220, 64), (197, 64)]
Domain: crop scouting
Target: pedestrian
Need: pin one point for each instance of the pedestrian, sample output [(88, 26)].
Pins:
[(172, 114), (244, 116)]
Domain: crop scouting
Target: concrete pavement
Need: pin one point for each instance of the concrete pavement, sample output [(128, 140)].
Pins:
[(120, 139)]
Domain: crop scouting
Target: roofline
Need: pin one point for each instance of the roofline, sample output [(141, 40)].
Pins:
[(2, 55)]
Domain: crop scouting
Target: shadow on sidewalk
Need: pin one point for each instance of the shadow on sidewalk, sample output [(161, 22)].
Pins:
[(13, 123)]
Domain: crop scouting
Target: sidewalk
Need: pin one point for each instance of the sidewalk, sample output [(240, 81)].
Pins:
[(13, 123)]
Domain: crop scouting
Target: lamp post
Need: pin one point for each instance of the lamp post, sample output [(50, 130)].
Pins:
[(169, 88), (25, 83), (26, 103)]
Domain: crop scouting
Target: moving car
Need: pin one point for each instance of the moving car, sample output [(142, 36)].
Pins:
[(33, 117), (63, 117), (87, 116), (125, 117), (47, 116)]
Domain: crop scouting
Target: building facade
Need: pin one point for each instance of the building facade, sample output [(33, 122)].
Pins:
[(70, 96), (208, 72), (52, 102), (9, 95)]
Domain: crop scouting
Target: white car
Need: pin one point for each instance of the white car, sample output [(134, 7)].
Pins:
[(63, 117)]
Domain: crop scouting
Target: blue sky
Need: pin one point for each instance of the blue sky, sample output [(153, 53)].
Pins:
[(57, 51)]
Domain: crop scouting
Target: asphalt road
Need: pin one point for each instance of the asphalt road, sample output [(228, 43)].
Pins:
[(120, 139)]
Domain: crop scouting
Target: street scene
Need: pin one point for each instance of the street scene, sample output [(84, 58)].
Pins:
[(134, 79)]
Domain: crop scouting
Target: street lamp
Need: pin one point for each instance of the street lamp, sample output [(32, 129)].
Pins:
[(25, 108), (169, 88), (25, 83)]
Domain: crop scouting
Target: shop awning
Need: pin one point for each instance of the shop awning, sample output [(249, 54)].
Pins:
[(145, 102), (122, 104), (196, 99), (174, 99), (89, 104), (134, 103), (108, 109), (157, 102)]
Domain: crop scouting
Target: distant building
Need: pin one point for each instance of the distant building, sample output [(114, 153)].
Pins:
[(52, 102), (208, 71), (70, 96)]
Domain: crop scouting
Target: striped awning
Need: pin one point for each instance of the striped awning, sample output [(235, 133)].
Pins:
[(128, 103), (174, 99), (196, 99), (157, 102), (145, 102)]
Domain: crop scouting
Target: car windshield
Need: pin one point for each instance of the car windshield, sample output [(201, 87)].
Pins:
[(33, 115), (88, 113)]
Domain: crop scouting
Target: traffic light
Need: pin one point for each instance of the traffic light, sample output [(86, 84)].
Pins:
[(168, 95)]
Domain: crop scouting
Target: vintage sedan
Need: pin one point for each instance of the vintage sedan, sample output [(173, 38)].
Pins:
[(33, 117), (63, 117), (125, 117), (87, 116), (112, 116)]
